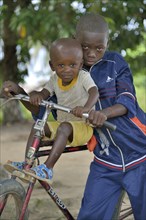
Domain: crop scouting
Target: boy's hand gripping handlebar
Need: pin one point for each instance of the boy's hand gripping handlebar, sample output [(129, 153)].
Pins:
[(52, 105), (85, 115)]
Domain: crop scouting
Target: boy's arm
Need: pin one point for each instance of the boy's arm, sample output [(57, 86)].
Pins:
[(114, 111), (10, 88), (37, 96), (125, 89), (97, 118), (35, 109), (92, 99)]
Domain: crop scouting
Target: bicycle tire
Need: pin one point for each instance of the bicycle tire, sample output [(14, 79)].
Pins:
[(14, 193)]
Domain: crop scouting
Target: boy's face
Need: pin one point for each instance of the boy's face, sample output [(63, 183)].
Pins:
[(67, 64), (94, 46)]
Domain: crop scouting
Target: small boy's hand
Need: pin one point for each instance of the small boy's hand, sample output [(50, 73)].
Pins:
[(35, 98), (97, 118), (9, 88), (79, 110)]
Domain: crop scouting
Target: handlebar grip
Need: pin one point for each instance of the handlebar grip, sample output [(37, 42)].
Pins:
[(110, 125), (106, 123)]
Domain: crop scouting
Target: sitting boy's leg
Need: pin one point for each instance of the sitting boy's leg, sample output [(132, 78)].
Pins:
[(31, 137), (64, 133), (10, 166), (45, 171), (82, 133)]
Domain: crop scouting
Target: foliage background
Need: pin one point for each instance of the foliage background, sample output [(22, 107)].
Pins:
[(26, 24)]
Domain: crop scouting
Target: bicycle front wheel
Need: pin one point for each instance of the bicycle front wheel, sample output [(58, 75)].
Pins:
[(12, 195)]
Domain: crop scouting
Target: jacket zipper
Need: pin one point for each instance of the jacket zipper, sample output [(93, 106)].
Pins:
[(111, 138)]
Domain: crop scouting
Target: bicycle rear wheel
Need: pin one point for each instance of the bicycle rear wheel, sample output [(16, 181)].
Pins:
[(12, 195), (123, 210)]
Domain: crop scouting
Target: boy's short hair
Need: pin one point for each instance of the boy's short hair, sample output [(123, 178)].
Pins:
[(92, 23), (65, 44)]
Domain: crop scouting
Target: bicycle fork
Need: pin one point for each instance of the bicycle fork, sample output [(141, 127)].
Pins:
[(30, 159), (27, 198), (32, 180)]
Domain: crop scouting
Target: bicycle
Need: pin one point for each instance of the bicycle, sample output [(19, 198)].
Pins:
[(13, 189)]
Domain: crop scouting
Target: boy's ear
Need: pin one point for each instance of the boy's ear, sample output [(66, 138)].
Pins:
[(81, 65), (51, 65)]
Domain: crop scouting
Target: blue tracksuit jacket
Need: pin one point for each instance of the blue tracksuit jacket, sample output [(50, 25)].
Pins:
[(127, 145), (125, 148)]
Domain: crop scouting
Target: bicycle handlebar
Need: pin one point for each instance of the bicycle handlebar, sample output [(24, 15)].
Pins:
[(52, 105)]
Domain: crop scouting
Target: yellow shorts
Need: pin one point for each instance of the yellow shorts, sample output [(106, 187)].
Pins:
[(82, 132)]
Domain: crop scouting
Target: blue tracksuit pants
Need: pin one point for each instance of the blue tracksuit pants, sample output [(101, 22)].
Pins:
[(103, 189)]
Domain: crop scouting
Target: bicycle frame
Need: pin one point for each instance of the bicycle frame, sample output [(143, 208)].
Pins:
[(34, 153)]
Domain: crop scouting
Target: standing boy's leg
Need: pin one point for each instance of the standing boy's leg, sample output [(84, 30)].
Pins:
[(135, 185), (103, 189)]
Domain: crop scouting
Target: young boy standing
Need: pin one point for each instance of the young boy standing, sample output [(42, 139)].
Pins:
[(125, 165)]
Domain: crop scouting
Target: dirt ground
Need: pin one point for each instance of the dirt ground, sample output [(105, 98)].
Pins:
[(70, 174)]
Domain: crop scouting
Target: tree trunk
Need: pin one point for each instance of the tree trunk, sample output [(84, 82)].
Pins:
[(12, 111)]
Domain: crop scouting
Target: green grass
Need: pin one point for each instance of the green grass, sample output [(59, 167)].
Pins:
[(140, 86)]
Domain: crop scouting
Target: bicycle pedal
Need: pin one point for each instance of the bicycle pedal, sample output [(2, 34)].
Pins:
[(23, 177)]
